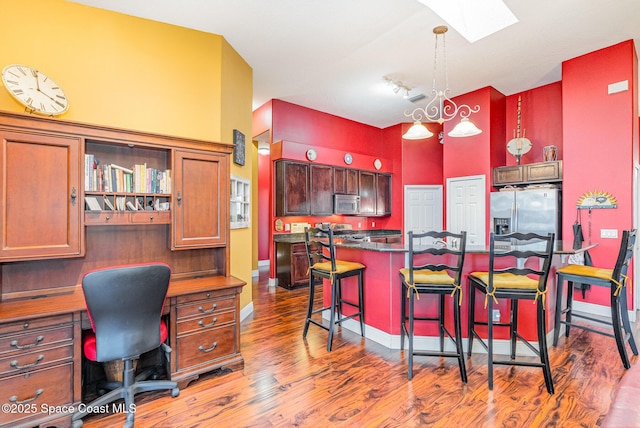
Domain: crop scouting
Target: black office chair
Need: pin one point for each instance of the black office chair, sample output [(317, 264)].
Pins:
[(321, 252), (528, 257), (616, 280), (125, 306), (438, 274)]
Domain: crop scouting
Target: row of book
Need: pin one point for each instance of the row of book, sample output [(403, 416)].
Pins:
[(122, 203), (115, 178)]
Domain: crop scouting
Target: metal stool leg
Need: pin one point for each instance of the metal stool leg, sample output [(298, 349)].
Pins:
[(557, 322)]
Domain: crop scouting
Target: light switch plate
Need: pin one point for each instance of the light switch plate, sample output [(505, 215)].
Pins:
[(609, 233)]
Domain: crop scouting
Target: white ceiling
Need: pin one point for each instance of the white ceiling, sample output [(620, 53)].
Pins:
[(331, 55)]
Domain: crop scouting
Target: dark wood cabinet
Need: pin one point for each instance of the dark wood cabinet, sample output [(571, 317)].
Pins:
[(41, 196), (292, 264), (345, 181), (368, 198), (538, 172), (201, 216), (321, 193), (292, 188), (383, 194)]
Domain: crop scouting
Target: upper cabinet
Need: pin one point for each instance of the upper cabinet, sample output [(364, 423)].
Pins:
[(345, 181), (201, 194), (321, 190), (308, 189), (539, 172), (292, 188), (41, 193)]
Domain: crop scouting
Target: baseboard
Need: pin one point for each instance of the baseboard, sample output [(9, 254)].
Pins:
[(255, 273), (273, 282), (246, 311), (599, 310), (263, 263)]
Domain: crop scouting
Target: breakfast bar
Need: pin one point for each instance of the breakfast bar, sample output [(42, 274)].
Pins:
[(383, 295)]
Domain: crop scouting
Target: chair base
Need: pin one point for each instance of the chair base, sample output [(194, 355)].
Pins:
[(514, 296), (127, 392), (336, 304), (619, 324), (443, 331)]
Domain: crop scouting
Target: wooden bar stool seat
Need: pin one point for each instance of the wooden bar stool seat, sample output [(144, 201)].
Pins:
[(323, 264), (435, 267), (616, 280)]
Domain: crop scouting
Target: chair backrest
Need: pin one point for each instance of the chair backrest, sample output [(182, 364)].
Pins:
[(521, 248), (451, 246), (320, 246), (624, 255), (125, 306)]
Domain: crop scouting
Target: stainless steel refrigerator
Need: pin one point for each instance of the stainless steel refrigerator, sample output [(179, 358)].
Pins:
[(531, 210)]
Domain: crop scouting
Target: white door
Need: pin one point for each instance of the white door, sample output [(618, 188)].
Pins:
[(466, 208), (422, 208)]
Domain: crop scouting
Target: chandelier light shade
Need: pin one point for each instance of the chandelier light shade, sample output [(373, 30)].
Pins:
[(441, 108)]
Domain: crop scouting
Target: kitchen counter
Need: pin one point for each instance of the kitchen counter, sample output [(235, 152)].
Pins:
[(299, 237)]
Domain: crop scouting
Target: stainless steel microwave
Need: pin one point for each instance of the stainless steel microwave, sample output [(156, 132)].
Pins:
[(346, 204)]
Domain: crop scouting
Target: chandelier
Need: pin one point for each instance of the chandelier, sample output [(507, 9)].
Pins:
[(441, 108)]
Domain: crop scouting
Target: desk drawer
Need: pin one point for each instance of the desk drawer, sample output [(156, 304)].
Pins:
[(206, 307), (205, 295), (24, 342), (27, 361), (31, 391), (29, 325), (207, 321), (206, 347)]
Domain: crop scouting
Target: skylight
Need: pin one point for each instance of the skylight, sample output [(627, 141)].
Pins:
[(473, 19)]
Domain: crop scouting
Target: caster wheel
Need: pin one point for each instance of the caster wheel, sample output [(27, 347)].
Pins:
[(175, 392)]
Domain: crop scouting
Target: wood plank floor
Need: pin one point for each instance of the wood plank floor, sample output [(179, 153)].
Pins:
[(291, 382)]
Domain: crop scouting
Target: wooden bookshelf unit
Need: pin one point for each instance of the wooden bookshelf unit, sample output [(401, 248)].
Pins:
[(59, 222)]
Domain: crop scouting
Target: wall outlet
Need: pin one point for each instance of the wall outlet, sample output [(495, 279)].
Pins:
[(373, 224), (496, 315), (609, 233), (287, 227), (359, 225)]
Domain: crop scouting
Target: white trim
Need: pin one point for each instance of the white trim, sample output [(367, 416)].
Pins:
[(598, 310), (255, 273), (273, 282), (246, 311), (263, 263)]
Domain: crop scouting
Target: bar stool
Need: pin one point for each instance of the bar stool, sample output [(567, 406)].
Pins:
[(616, 280), (424, 276), (516, 282), (321, 252)]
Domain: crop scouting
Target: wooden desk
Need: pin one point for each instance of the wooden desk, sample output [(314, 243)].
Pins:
[(41, 345)]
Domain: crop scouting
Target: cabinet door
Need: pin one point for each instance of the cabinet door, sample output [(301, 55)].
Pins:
[(299, 265), (367, 193), (345, 181), (508, 175), (383, 194), (201, 195), (41, 199), (321, 194), (292, 188)]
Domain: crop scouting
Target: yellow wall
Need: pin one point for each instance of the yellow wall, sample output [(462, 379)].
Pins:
[(128, 72)]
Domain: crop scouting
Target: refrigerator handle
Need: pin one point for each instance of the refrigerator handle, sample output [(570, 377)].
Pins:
[(514, 217)]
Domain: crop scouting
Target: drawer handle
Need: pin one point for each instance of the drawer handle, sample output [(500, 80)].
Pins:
[(208, 311), (14, 343), (14, 398), (15, 365), (201, 348), (202, 324)]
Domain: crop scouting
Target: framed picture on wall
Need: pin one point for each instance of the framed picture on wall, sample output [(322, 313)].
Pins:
[(238, 148)]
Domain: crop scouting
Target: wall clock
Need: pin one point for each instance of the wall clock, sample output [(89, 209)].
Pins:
[(348, 158), (36, 91), (312, 155)]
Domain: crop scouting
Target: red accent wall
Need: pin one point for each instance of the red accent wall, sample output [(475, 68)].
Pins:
[(600, 145), (540, 122)]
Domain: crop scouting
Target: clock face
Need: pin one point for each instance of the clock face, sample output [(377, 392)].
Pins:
[(35, 90), (519, 146)]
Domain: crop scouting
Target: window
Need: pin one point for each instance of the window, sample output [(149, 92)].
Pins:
[(240, 202)]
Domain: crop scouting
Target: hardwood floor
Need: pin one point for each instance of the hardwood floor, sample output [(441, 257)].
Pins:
[(291, 382)]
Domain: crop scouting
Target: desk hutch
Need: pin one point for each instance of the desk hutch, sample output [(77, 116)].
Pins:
[(50, 239)]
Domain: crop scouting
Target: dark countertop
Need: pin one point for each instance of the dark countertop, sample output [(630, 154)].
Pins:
[(299, 237)]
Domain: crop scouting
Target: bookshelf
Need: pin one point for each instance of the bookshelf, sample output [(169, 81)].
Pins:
[(240, 205), (126, 185)]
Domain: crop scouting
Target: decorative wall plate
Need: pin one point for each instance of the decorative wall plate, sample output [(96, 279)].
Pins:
[(377, 164), (312, 155), (348, 158)]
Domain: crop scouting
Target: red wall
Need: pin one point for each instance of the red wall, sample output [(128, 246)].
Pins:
[(600, 144)]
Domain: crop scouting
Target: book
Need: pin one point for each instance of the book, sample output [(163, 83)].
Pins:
[(131, 206), (121, 168), (92, 203), (108, 204)]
